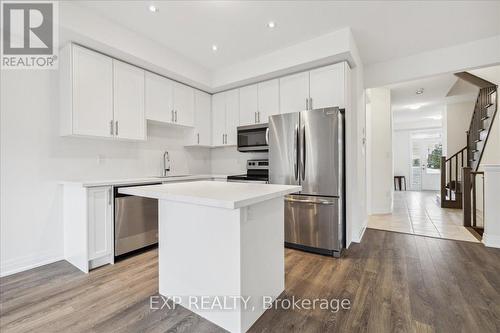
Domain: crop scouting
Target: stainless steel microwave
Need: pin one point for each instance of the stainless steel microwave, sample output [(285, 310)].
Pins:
[(253, 138)]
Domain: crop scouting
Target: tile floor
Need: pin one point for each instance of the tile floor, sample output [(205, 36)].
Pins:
[(419, 213)]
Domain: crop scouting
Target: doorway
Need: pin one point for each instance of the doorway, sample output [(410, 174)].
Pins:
[(426, 149)]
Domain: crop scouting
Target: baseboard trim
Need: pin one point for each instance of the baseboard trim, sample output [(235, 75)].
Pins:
[(491, 240), (17, 265), (359, 237)]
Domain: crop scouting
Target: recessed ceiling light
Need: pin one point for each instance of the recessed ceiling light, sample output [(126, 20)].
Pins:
[(419, 91), (271, 24), (214, 48), (153, 8)]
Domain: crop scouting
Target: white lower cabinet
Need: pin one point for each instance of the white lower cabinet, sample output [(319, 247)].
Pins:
[(88, 226), (100, 222)]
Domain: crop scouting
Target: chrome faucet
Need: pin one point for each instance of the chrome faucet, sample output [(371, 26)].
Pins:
[(166, 163)]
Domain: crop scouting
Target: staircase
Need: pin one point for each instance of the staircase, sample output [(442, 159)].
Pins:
[(455, 193)]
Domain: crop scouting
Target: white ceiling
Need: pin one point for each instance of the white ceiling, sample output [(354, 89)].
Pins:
[(431, 103), (382, 29)]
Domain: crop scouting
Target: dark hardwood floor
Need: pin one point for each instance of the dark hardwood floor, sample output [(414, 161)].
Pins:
[(395, 283)]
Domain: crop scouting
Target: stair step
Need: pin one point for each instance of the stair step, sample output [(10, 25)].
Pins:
[(483, 134)]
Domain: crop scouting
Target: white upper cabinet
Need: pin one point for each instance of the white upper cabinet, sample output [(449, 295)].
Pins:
[(183, 105), (294, 92), (90, 113), (168, 101), (130, 122), (326, 86), (269, 100), (202, 119), (249, 105), (218, 119), (258, 102), (100, 96), (225, 118), (159, 98), (232, 116)]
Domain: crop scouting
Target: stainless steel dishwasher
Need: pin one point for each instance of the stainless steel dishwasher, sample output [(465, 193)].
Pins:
[(136, 221)]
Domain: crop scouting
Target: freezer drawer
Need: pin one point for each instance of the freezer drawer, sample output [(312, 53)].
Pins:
[(313, 223)]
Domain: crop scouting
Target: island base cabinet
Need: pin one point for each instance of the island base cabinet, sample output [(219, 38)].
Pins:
[(88, 226), (234, 257)]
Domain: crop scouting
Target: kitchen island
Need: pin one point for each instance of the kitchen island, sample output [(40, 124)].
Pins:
[(221, 247)]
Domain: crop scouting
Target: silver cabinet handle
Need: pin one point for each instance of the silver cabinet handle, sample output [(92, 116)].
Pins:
[(172, 115), (175, 115), (110, 194), (310, 103), (255, 117), (258, 116), (111, 130), (116, 127), (198, 135), (307, 103), (222, 138)]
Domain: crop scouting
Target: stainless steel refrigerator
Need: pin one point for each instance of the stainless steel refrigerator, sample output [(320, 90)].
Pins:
[(307, 148)]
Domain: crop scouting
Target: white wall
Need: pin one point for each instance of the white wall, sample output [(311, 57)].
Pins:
[(457, 119), (479, 53), (401, 154), (380, 174), (228, 160), (84, 26), (34, 158)]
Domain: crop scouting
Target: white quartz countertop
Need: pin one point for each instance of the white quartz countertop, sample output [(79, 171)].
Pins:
[(140, 180), (213, 194)]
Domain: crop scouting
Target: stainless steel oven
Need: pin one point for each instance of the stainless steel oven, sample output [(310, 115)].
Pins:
[(253, 138)]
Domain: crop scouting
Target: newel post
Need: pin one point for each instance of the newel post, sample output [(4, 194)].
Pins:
[(443, 180), (466, 195)]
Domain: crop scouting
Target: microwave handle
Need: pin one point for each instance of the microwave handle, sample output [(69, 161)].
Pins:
[(267, 136)]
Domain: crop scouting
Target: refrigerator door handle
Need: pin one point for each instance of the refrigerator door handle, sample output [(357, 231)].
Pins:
[(296, 149), (313, 201), (303, 152)]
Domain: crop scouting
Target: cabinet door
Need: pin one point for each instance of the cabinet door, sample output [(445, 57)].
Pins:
[(294, 92), (327, 86), (100, 222), (218, 119), (232, 116), (183, 105), (248, 105), (269, 100), (159, 98), (92, 93), (130, 121), (202, 115)]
